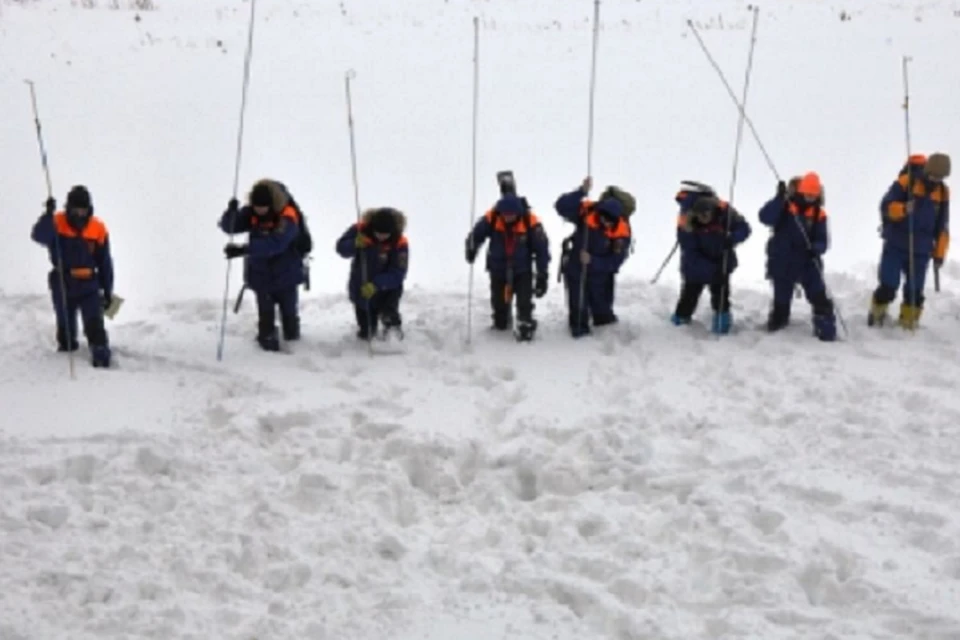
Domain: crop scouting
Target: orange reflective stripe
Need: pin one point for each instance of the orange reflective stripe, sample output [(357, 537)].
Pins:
[(520, 227), (808, 212), (896, 211), (402, 243), (289, 212), (81, 273), (943, 244), (95, 229)]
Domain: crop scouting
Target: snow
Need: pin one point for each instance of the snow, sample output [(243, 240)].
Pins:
[(649, 482)]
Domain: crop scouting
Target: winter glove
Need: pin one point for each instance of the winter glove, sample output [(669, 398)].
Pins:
[(368, 290), (362, 241), (107, 300), (781, 189), (233, 206), (470, 252), (50, 206), (235, 250), (540, 289)]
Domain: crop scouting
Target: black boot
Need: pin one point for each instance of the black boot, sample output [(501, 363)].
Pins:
[(392, 322), (367, 323), (779, 317), (526, 330), (291, 328), (267, 337)]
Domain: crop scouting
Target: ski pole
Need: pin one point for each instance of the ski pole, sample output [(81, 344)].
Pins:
[(361, 258), (586, 229), (912, 259), (770, 164), (236, 173), (56, 236), (725, 283), (473, 184)]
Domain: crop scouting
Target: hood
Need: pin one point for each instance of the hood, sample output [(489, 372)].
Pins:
[(398, 216), (278, 193)]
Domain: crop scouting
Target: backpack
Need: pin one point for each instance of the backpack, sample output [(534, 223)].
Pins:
[(304, 241), (625, 198)]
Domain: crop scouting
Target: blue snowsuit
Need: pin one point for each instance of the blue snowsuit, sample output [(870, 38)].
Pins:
[(510, 259), (87, 271), (386, 263), (703, 243), (930, 219), (273, 267), (608, 239), (795, 255)]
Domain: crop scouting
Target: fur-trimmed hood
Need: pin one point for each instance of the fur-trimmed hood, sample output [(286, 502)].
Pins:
[(277, 193), (399, 217)]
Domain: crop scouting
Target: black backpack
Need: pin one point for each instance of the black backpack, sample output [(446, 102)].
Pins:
[(304, 242)]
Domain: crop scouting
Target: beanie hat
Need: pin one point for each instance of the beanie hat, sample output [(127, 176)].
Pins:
[(383, 221), (610, 207), (810, 185), (509, 204), (261, 195), (938, 166), (79, 198)]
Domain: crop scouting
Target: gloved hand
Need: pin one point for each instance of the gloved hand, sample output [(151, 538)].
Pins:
[(50, 206), (781, 189), (938, 262), (540, 288), (107, 300), (368, 290), (470, 251), (233, 206), (235, 250), (362, 241)]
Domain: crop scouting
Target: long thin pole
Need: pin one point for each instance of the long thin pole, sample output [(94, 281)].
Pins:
[(473, 184), (236, 172), (56, 236), (361, 258), (725, 282), (912, 258), (593, 90)]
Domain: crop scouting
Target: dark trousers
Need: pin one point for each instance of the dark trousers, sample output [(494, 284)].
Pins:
[(598, 296), (383, 306), (894, 265), (502, 299), (90, 306), (288, 300), (690, 297)]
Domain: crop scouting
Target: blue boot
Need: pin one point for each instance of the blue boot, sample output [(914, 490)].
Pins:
[(677, 320), (825, 327), (722, 322)]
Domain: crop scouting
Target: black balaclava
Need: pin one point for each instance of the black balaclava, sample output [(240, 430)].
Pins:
[(79, 198)]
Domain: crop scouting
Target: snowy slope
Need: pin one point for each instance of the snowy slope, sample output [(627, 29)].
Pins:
[(637, 485), (648, 482)]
